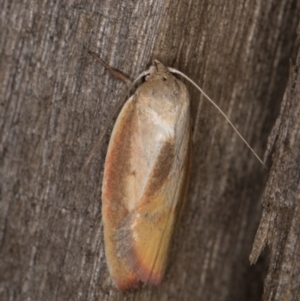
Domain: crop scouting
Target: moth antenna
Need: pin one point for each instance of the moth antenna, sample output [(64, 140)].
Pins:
[(220, 110), (143, 74)]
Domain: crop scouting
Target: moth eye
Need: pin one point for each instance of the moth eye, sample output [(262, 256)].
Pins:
[(164, 79)]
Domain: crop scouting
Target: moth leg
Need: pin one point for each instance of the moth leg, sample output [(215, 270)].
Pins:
[(114, 72)]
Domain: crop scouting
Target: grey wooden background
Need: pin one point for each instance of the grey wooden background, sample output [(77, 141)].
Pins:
[(55, 102)]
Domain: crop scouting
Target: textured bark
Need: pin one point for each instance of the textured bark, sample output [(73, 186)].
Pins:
[(279, 226), (55, 103)]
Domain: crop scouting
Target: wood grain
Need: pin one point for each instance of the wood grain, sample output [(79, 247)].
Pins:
[(55, 103)]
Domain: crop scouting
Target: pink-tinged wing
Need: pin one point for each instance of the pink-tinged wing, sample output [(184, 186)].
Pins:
[(145, 181), (115, 207), (150, 226)]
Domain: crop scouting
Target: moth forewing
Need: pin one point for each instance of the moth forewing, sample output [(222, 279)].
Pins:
[(146, 171), (146, 175)]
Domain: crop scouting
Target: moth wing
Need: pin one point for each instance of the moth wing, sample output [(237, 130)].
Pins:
[(144, 181), (151, 225), (115, 203), (155, 188)]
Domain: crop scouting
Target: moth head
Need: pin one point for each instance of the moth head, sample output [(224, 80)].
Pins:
[(157, 69)]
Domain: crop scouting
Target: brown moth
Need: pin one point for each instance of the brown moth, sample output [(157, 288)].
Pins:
[(146, 176)]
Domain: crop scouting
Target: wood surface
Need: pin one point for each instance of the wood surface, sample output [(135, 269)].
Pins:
[(56, 100)]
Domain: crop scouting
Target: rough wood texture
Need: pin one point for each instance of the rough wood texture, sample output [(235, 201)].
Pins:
[(280, 224), (56, 100)]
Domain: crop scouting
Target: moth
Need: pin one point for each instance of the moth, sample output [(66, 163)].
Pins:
[(146, 177)]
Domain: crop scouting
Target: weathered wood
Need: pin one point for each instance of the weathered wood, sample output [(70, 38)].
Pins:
[(56, 100), (280, 224)]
